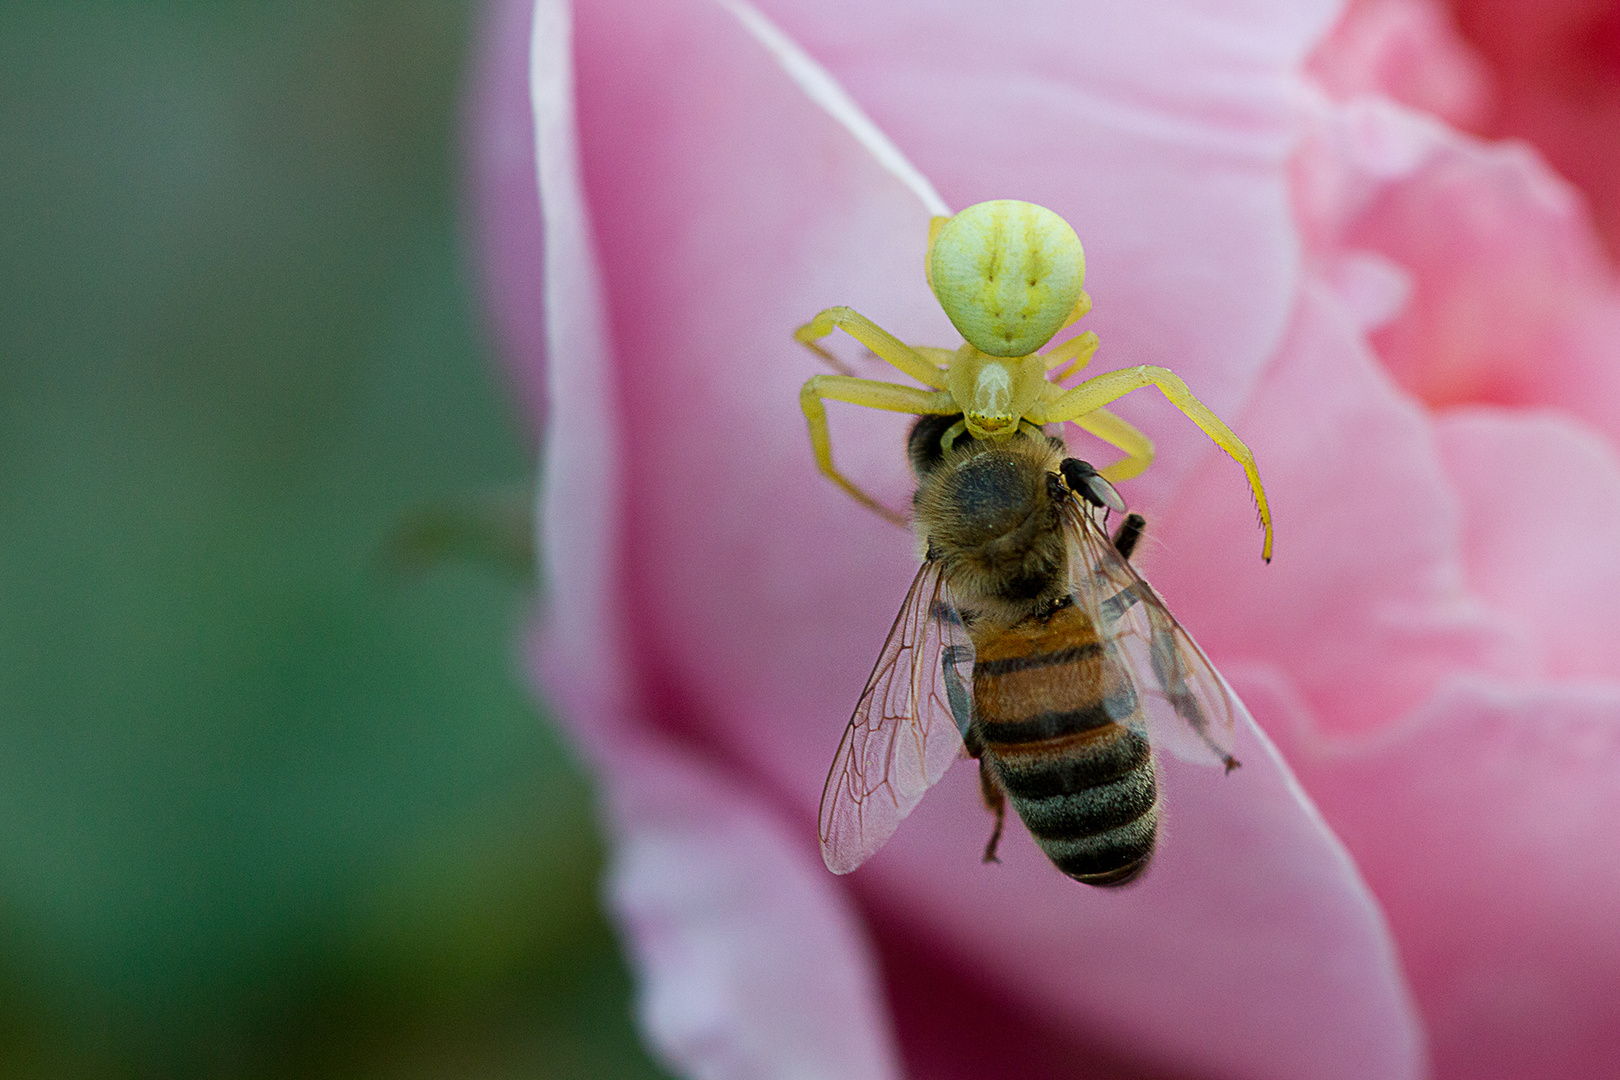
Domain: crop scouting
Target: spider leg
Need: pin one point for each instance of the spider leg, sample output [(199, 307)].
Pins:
[(940, 358), (874, 337), (1117, 432), (1099, 390), (874, 395), (1081, 306), (1076, 353)]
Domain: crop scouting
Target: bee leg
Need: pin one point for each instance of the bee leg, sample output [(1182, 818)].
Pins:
[(996, 800), (1129, 532)]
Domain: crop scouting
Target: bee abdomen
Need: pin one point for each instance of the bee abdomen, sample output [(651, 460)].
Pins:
[(1091, 802), (1072, 766), (1051, 710), (1115, 857)]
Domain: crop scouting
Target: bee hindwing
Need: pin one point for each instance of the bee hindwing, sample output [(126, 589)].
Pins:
[(1188, 708)]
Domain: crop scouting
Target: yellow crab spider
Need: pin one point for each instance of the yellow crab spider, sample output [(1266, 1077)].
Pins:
[(1009, 275)]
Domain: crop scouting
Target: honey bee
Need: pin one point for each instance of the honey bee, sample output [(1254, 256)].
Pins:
[(1029, 642)]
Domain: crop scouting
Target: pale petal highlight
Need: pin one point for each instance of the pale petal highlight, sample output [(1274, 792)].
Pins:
[(752, 964)]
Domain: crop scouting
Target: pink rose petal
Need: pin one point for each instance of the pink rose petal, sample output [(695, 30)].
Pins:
[(1504, 259), (1556, 66), (1250, 948), (579, 514), (1368, 575), (1511, 300), (1480, 843), (1545, 71), (1411, 51), (955, 1025), (1541, 529)]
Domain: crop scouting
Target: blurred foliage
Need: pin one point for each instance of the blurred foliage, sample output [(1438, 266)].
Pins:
[(268, 806), (494, 529)]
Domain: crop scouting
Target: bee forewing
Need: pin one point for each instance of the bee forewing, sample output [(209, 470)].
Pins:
[(1188, 708), (907, 728)]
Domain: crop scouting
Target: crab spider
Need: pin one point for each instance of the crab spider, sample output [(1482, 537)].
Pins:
[(1009, 275)]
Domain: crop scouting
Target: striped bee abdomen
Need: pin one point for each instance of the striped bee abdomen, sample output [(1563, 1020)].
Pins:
[(1050, 714)]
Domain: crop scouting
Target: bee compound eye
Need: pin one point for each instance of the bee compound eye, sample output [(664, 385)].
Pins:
[(1056, 489)]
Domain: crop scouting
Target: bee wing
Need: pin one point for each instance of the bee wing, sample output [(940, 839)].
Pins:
[(1189, 709), (907, 728)]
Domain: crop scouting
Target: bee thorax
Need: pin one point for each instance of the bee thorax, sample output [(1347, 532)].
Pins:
[(989, 514)]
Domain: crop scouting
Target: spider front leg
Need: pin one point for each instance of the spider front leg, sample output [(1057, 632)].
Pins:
[(884, 344), (940, 358), (1099, 390), (891, 397)]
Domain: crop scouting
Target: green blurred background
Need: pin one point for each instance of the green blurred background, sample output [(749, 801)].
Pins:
[(273, 798)]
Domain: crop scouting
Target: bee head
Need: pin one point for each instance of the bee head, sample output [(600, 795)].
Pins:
[(925, 445), (988, 512)]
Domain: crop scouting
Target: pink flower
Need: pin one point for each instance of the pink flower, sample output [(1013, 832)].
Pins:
[(1554, 69), (1414, 331)]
